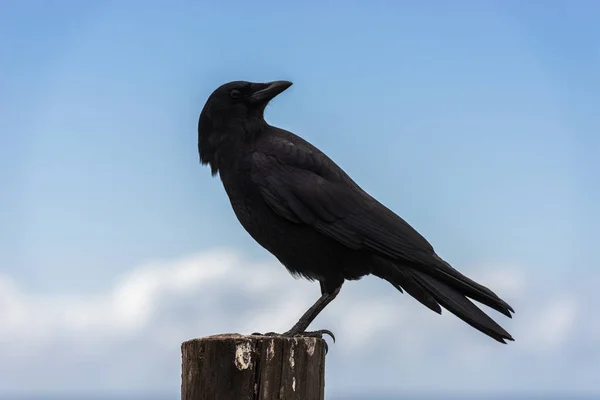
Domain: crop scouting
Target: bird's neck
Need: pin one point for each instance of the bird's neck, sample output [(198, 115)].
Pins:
[(236, 141)]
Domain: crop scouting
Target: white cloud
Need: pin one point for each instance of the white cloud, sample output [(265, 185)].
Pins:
[(553, 325), (128, 338)]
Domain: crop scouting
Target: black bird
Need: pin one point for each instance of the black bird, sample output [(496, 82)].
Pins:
[(306, 211)]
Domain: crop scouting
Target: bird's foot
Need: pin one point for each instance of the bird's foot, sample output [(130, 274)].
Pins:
[(292, 333), (316, 334)]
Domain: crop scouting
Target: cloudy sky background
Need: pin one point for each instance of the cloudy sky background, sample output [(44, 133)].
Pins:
[(477, 122)]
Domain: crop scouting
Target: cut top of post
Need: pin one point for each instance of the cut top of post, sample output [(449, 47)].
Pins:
[(233, 366)]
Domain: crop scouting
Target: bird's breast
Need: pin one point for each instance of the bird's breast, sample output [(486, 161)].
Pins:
[(300, 248), (247, 203)]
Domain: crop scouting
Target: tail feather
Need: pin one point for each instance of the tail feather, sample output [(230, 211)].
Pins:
[(448, 288), (415, 289), (462, 307), (469, 287)]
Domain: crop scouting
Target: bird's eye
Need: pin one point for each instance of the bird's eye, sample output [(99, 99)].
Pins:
[(235, 94)]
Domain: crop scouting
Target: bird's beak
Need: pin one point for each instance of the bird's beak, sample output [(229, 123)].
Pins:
[(270, 89)]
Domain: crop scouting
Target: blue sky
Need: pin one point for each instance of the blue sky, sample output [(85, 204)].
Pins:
[(476, 121)]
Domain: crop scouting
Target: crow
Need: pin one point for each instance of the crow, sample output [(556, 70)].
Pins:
[(305, 210)]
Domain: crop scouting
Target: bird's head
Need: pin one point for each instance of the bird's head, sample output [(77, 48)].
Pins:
[(233, 109)]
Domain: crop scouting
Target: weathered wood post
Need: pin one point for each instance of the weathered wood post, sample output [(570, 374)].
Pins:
[(237, 367)]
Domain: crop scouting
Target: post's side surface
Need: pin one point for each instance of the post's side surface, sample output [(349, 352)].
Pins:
[(236, 367)]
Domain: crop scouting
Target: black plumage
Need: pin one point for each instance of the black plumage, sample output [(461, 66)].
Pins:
[(305, 210)]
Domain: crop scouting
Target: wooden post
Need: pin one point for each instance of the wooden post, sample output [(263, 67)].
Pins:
[(236, 367)]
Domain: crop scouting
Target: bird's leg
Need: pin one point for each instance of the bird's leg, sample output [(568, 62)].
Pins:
[(299, 329), (309, 316)]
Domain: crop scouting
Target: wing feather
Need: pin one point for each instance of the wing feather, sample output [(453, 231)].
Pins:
[(307, 189)]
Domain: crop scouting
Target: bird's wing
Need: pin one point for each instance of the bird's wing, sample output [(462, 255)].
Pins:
[(306, 187)]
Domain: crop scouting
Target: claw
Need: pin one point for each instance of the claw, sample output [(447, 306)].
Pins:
[(318, 334)]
